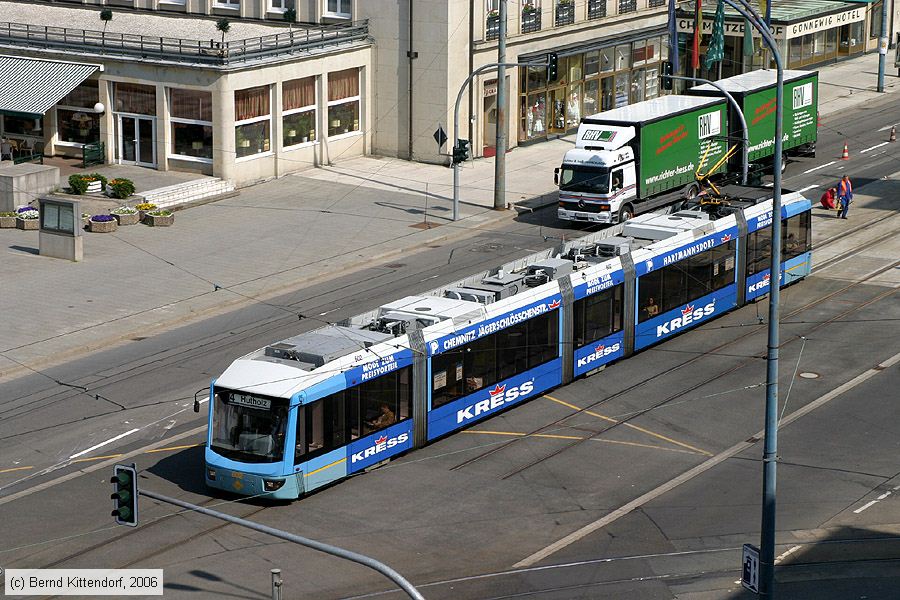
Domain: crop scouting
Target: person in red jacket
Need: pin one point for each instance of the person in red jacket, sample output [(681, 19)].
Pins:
[(828, 198)]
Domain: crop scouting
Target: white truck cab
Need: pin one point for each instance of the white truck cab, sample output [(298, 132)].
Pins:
[(597, 179)]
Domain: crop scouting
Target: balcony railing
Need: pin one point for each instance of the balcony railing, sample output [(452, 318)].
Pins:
[(565, 14), (174, 50), (531, 21), (596, 9), (627, 6), (492, 28)]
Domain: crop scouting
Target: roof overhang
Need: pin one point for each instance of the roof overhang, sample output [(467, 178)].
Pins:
[(29, 87)]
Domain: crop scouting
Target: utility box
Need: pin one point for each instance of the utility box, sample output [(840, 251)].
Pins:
[(60, 235)]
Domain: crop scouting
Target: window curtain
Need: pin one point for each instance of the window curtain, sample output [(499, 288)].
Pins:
[(343, 84), (298, 93), (191, 104), (135, 98), (251, 103)]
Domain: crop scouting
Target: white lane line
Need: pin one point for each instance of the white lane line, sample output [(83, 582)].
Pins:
[(101, 444), (865, 506), (807, 188), (886, 127), (769, 185), (699, 469), (884, 495), (873, 147), (786, 554), (819, 167)]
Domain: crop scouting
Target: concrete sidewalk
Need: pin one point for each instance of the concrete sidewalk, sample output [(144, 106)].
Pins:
[(277, 236)]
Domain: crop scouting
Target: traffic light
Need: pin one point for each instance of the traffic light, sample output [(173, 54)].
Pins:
[(552, 66), (460, 151), (667, 75), (125, 496)]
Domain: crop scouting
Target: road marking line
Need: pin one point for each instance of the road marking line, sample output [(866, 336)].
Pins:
[(16, 469), (171, 448), (101, 444), (90, 458), (886, 127), (865, 506), (639, 445), (575, 437), (884, 495), (807, 188), (786, 554), (873, 147), (699, 469), (819, 167), (635, 427)]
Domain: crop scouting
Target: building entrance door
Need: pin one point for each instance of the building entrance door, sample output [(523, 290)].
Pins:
[(137, 140)]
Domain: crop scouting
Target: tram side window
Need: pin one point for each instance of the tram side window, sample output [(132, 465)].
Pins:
[(480, 364), (723, 265), (759, 251), (512, 350), (795, 236), (447, 377), (598, 316), (650, 295), (326, 426), (674, 289), (543, 339)]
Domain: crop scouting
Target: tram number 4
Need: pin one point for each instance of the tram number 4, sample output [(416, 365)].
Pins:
[(750, 568)]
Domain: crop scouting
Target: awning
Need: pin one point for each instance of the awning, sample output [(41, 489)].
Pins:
[(29, 87)]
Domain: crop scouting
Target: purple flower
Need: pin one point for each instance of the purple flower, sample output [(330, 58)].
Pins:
[(22, 209), (102, 218)]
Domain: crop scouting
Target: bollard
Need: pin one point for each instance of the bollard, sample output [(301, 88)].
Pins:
[(276, 584)]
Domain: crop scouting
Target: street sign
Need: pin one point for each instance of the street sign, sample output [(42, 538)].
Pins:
[(750, 568), (440, 136)]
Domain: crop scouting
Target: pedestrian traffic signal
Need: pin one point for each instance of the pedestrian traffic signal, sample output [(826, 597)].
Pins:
[(552, 66), (126, 495), (460, 151), (667, 75)]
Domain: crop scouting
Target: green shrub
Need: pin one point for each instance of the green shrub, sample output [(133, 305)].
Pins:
[(121, 187), (78, 183), (100, 178)]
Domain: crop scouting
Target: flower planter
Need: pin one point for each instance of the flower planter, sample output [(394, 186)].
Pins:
[(157, 221), (7, 222), (102, 226), (94, 187), (27, 224), (127, 219)]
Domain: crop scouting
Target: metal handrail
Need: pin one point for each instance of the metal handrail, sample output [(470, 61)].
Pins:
[(212, 52)]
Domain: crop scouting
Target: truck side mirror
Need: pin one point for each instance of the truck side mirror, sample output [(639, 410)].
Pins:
[(556, 176)]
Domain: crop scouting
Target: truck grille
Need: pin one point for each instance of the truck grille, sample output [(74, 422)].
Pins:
[(588, 207)]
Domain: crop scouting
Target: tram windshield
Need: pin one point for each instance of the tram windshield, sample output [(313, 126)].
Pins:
[(249, 428), (592, 180)]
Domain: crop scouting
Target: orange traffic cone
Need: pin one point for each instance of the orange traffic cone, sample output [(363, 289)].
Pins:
[(846, 153), (893, 137), (818, 119)]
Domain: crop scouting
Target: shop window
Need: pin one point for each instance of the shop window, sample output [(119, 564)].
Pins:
[(591, 101), (76, 120), (623, 57), (573, 106), (343, 102), (652, 82), (253, 121), (535, 112), (338, 8), (607, 93), (591, 63), (607, 59), (23, 126), (622, 85), (134, 98), (191, 117), (637, 85), (298, 105)]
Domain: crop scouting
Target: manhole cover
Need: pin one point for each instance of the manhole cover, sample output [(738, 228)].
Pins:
[(809, 375), (424, 225)]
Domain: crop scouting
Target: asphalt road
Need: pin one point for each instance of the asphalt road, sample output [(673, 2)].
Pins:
[(458, 526)]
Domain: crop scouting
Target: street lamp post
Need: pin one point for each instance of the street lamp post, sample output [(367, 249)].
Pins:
[(767, 534)]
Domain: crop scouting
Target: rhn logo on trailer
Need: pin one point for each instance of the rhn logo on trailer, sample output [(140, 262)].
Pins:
[(312, 409), (709, 125)]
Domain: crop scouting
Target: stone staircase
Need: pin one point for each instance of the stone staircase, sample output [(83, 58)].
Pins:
[(190, 191)]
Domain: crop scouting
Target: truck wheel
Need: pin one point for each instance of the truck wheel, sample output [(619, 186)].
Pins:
[(625, 213)]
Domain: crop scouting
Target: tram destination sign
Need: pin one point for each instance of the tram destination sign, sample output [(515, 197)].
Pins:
[(250, 401)]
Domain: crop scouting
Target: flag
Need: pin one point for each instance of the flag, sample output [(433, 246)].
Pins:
[(716, 51), (748, 38), (698, 33), (673, 38)]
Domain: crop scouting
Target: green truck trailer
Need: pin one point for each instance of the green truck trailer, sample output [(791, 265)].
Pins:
[(629, 160), (755, 93)]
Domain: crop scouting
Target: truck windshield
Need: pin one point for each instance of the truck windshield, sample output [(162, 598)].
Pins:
[(249, 428), (581, 179)]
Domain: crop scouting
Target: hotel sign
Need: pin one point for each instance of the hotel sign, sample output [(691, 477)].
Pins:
[(781, 32)]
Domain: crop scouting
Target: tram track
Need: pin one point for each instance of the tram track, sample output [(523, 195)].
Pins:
[(560, 422)]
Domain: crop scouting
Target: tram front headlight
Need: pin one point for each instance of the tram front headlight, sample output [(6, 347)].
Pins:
[(210, 473), (272, 485)]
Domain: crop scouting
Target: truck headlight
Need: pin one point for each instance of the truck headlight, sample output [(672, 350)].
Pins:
[(604, 207)]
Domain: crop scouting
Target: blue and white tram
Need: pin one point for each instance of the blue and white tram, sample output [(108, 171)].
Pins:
[(318, 407)]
